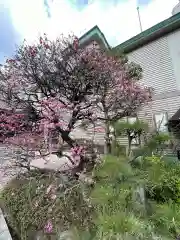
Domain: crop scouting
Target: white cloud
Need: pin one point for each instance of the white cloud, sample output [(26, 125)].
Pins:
[(29, 17), (118, 22)]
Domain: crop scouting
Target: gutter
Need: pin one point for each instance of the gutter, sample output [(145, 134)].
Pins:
[(162, 28)]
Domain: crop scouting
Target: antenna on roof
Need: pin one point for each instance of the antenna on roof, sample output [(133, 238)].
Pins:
[(139, 17)]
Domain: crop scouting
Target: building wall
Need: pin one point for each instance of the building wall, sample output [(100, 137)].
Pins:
[(160, 61), (168, 105), (157, 65), (174, 51)]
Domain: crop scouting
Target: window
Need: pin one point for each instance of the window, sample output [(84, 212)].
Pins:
[(136, 140), (132, 119), (161, 120)]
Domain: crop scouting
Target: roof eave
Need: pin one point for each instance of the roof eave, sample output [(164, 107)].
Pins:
[(170, 25), (153, 37), (97, 36)]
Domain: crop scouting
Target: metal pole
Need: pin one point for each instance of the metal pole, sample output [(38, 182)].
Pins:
[(139, 17)]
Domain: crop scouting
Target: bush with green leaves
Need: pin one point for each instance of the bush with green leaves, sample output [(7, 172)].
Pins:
[(117, 149), (167, 218), (126, 202), (45, 205), (125, 206), (130, 130), (162, 179), (120, 215), (156, 143)]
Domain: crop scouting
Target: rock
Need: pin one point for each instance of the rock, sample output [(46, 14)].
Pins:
[(52, 161)]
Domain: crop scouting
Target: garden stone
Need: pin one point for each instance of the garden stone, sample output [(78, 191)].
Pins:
[(64, 235), (139, 197), (52, 161)]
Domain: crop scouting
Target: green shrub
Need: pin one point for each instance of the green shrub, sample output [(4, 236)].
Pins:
[(155, 144), (113, 200), (35, 199), (120, 214), (162, 179), (117, 149), (166, 218), (126, 202)]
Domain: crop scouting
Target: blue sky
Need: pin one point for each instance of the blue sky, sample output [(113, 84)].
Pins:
[(118, 20)]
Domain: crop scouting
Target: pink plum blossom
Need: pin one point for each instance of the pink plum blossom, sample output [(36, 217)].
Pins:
[(48, 227)]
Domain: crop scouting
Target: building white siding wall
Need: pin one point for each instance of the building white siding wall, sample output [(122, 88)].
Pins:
[(156, 62), (160, 61), (174, 51), (168, 105)]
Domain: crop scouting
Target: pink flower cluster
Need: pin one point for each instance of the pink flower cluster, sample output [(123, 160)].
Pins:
[(51, 110), (10, 61), (10, 122), (26, 140), (48, 227), (53, 107), (77, 152)]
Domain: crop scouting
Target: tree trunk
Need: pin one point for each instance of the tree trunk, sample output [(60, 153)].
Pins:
[(129, 146), (140, 139), (84, 160), (66, 138), (107, 138)]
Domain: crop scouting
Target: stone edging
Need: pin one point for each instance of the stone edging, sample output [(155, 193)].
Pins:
[(4, 231)]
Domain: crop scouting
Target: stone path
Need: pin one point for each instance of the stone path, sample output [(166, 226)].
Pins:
[(4, 231)]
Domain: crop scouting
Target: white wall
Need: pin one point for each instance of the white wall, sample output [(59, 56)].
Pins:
[(160, 61), (156, 62), (174, 51)]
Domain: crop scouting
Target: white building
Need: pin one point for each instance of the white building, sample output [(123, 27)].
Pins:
[(157, 50)]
